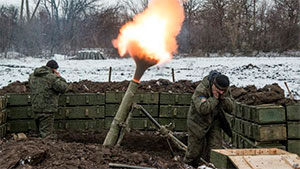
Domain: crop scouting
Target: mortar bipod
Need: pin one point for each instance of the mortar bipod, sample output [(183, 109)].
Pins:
[(167, 133)]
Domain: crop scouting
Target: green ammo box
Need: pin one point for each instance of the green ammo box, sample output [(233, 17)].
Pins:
[(140, 98), (3, 116), (20, 112), (80, 112), (173, 111), (293, 129), (2, 102), (2, 130), (293, 111), (264, 114), (111, 110), (17, 126), (14, 99), (175, 98), (269, 132), (81, 99), (80, 125), (294, 146)]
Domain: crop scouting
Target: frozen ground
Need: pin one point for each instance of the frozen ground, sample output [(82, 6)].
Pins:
[(242, 71)]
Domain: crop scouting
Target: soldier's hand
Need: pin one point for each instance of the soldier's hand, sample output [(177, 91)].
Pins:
[(57, 73)]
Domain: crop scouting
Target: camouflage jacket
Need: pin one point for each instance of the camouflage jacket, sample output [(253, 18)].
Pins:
[(203, 113), (46, 87)]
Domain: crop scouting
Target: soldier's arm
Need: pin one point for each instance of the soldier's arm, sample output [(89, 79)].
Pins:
[(203, 103), (60, 85), (227, 102)]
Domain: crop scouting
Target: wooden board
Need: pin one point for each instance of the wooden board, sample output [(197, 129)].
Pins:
[(266, 161)]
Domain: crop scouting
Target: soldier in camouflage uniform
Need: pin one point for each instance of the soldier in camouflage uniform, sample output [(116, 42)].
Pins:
[(46, 84), (206, 117)]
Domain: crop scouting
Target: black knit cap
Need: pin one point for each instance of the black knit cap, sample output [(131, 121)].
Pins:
[(221, 82), (52, 64)]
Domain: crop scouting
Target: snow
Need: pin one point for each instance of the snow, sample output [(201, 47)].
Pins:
[(242, 71)]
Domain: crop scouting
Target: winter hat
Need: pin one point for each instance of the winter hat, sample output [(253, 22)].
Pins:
[(221, 82), (52, 64)]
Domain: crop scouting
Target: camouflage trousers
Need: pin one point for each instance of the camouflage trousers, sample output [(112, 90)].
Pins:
[(201, 147), (45, 124)]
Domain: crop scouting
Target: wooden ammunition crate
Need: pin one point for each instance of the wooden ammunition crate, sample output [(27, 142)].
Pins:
[(262, 114), (138, 123), (3, 116), (253, 158), (293, 129), (81, 99), (266, 132), (175, 98), (20, 112), (14, 99), (2, 130), (171, 111), (111, 110), (293, 112), (294, 146), (3, 102), (17, 126), (140, 98), (80, 125), (80, 112), (245, 142)]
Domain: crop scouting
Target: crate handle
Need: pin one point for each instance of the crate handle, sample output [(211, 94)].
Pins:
[(176, 98), (87, 100), (67, 99), (67, 113), (86, 113), (175, 112)]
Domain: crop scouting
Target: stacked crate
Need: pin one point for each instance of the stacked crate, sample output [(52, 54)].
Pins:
[(76, 112), (293, 128), (259, 126), (173, 109), (138, 120), (3, 116)]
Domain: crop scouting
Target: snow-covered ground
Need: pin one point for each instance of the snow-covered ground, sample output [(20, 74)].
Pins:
[(242, 71)]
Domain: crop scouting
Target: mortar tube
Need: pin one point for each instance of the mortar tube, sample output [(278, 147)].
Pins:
[(121, 116)]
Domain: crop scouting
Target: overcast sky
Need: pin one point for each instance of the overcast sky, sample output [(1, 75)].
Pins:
[(32, 2)]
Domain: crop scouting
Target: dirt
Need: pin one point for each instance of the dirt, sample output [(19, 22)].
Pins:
[(269, 94), (84, 150)]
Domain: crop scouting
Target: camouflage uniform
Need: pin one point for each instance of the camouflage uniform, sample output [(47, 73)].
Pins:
[(204, 122), (45, 86)]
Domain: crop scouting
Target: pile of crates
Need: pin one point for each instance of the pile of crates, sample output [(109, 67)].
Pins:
[(293, 128), (3, 117), (95, 111), (76, 111), (261, 126)]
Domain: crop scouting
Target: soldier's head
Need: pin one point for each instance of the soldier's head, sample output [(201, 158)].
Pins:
[(52, 64), (220, 83)]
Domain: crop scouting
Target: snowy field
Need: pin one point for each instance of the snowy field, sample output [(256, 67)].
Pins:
[(243, 71)]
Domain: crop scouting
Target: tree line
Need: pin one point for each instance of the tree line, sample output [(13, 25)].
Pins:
[(66, 26)]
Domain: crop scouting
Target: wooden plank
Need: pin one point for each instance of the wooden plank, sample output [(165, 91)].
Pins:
[(265, 161)]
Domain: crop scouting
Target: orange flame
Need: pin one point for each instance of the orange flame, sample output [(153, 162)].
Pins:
[(152, 34)]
